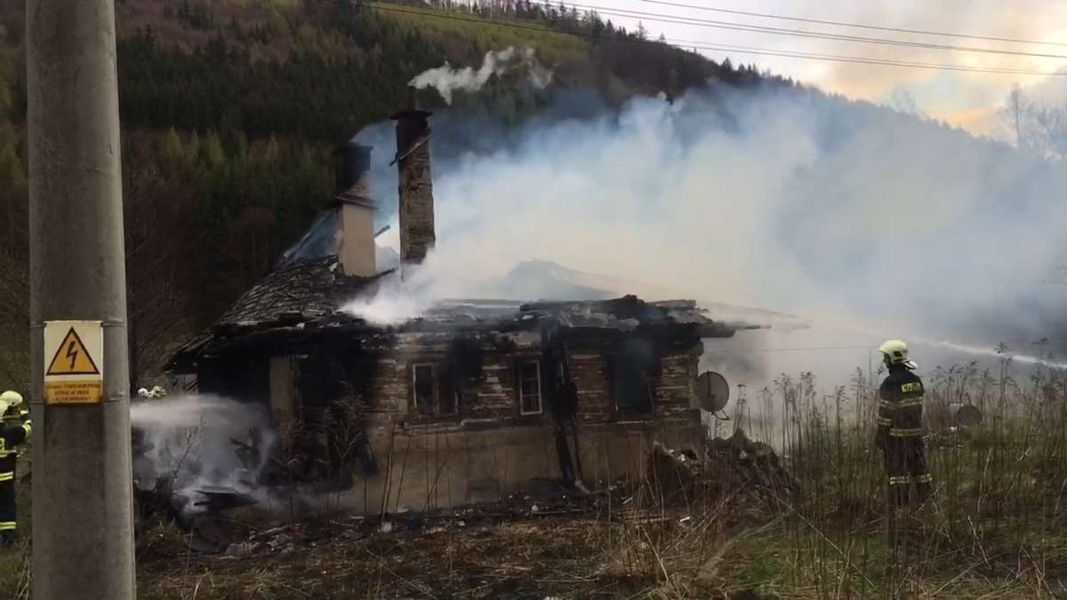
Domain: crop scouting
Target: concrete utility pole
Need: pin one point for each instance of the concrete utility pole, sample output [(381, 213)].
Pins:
[(82, 488)]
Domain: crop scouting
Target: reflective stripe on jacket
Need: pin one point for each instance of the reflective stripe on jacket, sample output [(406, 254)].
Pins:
[(900, 410)]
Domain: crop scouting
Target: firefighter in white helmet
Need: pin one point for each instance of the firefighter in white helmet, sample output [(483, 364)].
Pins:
[(150, 394), (900, 427), (15, 432)]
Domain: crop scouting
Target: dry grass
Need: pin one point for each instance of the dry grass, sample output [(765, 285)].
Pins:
[(516, 560), (14, 573), (996, 529)]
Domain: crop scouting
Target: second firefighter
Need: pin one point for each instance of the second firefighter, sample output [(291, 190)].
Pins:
[(900, 427)]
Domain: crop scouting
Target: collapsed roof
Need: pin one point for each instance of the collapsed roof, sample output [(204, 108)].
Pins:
[(306, 298)]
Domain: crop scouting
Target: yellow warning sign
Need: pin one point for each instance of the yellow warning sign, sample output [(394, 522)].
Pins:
[(72, 358), (74, 353)]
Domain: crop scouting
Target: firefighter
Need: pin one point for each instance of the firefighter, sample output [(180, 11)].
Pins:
[(15, 432), (15, 416), (155, 393), (900, 427)]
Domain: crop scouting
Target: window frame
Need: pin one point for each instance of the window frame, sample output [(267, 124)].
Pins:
[(436, 392), (416, 407), (650, 388), (519, 380)]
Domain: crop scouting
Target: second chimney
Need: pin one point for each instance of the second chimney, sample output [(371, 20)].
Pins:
[(415, 189), (355, 211)]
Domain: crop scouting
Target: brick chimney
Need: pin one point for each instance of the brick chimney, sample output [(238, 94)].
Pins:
[(417, 235), (354, 241)]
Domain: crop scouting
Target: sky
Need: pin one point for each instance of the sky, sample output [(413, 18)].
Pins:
[(968, 100)]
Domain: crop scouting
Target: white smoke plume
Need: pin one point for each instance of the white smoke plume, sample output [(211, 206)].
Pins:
[(199, 443), (394, 303), (869, 222), (446, 79), (408, 295)]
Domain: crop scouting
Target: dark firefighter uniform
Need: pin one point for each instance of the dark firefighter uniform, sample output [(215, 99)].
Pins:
[(900, 430), (14, 432)]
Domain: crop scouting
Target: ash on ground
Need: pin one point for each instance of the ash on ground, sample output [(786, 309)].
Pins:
[(725, 477)]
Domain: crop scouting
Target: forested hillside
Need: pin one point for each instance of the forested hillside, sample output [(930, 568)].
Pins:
[(231, 107)]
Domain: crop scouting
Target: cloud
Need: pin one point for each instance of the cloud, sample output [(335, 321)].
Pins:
[(955, 91)]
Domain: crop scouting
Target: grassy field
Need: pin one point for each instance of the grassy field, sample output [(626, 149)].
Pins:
[(994, 530), (446, 27)]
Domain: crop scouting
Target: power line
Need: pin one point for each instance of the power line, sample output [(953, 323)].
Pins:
[(857, 25), (862, 60), (721, 48), (682, 20)]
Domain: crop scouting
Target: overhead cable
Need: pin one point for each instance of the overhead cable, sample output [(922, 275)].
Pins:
[(967, 36), (683, 20), (716, 48)]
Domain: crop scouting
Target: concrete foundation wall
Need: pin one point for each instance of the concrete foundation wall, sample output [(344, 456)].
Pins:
[(423, 471)]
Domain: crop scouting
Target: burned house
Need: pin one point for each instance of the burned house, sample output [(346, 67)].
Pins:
[(471, 400)]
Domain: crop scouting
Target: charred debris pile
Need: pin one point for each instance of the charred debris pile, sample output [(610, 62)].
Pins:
[(731, 472)]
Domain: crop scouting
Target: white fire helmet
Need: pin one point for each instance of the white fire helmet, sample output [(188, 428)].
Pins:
[(896, 353), (8, 400)]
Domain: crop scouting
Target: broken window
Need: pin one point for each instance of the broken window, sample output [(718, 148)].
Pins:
[(422, 387), (319, 380), (361, 372), (434, 392), (530, 387), (448, 400), (633, 373)]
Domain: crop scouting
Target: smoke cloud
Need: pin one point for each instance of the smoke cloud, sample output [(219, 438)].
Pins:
[(868, 222), (446, 79), (200, 443)]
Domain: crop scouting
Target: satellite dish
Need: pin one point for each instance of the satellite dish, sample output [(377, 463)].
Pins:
[(712, 391)]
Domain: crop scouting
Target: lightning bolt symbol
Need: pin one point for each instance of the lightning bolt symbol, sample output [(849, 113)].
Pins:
[(72, 353)]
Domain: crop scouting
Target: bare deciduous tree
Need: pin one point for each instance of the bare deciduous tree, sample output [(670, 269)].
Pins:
[(1034, 126)]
